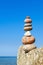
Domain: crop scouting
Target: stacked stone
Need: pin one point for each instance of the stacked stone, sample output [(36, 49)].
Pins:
[(28, 54), (28, 39)]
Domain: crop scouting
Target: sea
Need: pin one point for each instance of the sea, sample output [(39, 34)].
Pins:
[(8, 60)]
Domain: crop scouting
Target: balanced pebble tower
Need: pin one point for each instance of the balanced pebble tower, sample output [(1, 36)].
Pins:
[(28, 39), (28, 53)]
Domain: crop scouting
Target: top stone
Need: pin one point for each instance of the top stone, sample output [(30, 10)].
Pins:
[(28, 20), (27, 17)]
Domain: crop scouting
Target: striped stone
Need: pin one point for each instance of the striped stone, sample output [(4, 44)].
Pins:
[(28, 28)]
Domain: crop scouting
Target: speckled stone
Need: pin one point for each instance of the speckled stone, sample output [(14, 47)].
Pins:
[(33, 57), (28, 47)]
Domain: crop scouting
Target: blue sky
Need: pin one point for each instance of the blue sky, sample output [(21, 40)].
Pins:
[(12, 15)]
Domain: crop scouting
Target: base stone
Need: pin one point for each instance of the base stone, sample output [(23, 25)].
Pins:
[(32, 57)]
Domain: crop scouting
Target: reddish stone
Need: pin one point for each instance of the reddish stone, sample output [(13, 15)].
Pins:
[(28, 39)]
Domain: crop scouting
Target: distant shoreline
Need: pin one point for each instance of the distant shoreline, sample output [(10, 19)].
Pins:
[(8, 56)]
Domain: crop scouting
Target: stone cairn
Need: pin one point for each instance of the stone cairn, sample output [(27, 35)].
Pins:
[(28, 39), (28, 54)]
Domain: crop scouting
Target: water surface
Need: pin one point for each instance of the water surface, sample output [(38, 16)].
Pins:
[(8, 60)]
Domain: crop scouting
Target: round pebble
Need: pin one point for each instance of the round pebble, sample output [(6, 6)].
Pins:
[(28, 40)]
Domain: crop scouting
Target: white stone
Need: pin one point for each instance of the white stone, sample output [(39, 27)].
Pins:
[(27, 33)]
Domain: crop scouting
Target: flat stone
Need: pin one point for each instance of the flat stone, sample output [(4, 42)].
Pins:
[(28, 20), (27, 24), (28, 28)]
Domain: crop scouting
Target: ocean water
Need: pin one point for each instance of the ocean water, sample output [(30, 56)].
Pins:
[(8, 60)]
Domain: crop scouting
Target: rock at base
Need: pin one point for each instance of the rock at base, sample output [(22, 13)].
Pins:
[(33, 57)]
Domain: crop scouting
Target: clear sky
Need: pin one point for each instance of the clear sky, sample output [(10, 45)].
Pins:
[(12, 15)]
